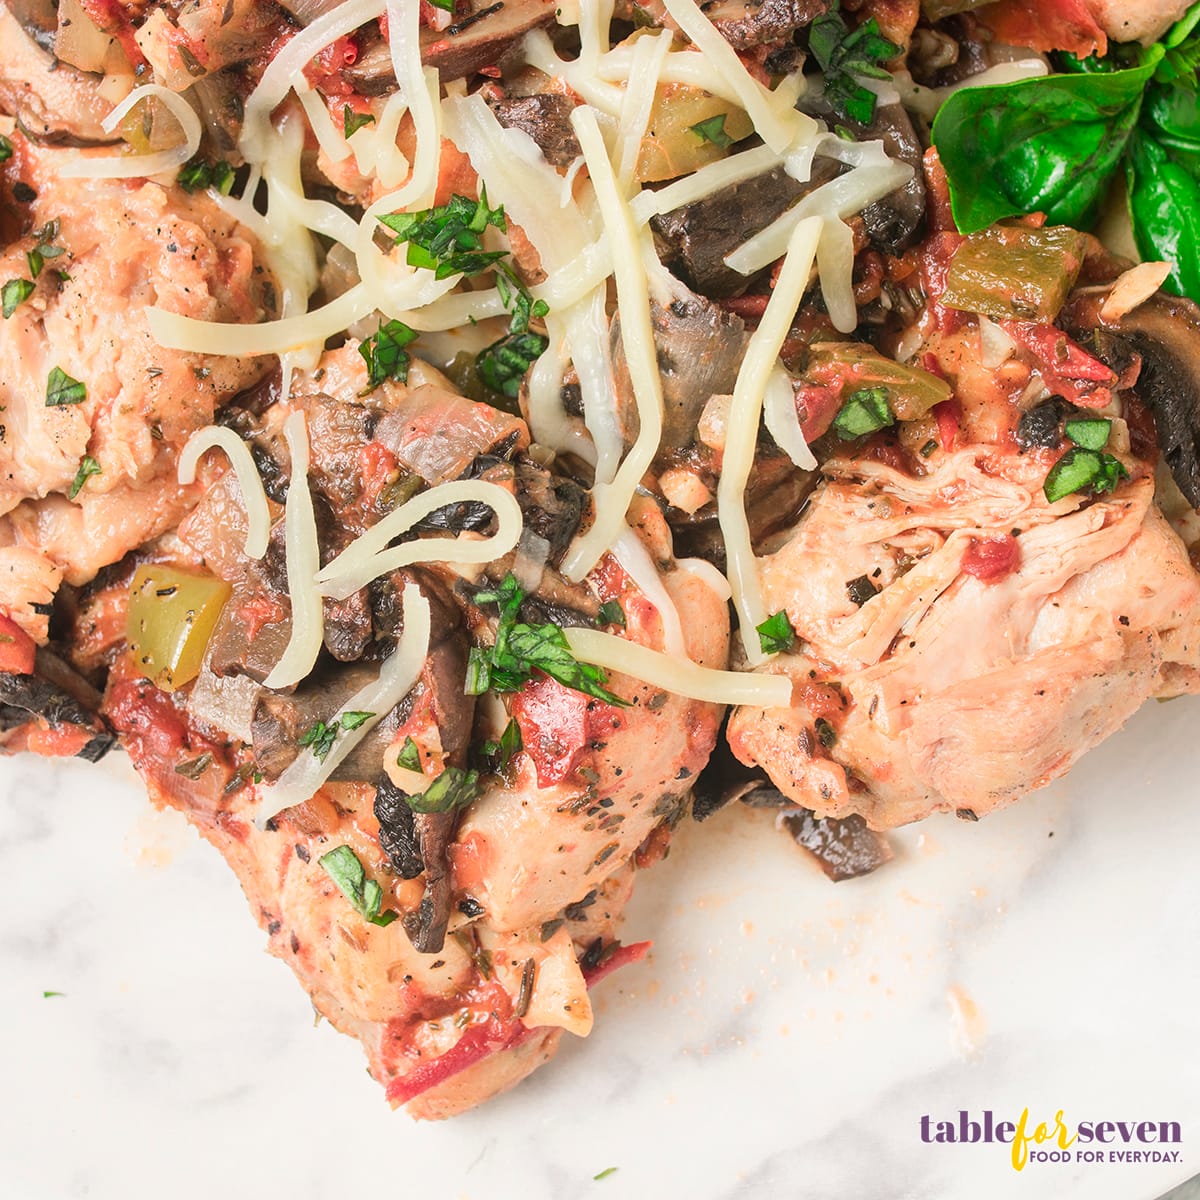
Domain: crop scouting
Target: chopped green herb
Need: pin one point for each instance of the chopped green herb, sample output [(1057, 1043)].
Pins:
[(611, 613), (1089, 432), (444, 5), (62, 389), (826, 734), (605, 1173), (775, 634), (14, 293), (503, 364), (410, 756), (88, 467), (844, 55), (712, 130), (453, 788), (197, 174), (864, 412), (45, 248), (343, 867), (498, 755), (929, 447), (1083, 470), (319, 737), (861, 590), (521, 649), (48, 995), (352, 122), (6, 149), (448, 239), (384, 353)]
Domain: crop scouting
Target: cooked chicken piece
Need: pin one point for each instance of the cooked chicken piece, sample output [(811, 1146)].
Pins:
[(87, 475), (1143, 22), (506, 906), (964, 641)]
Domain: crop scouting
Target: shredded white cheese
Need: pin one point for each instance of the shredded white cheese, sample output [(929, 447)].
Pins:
[(611, 500), (677, 675), (254, 496), (397, 676), (368, 556), (303, 559), (782, 420), (761, 357), (140, 166)]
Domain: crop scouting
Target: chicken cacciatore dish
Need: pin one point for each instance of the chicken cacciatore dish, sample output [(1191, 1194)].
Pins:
[(444, 445)]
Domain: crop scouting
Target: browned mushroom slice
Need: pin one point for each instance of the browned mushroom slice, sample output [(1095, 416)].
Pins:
[(546, 118), (54, 708)]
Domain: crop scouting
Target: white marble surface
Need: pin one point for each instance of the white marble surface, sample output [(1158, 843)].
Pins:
[(784, 1039)]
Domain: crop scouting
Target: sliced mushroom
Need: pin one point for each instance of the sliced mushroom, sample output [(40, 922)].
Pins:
[(895, 221), (55, 695), (700, 347), (693, 240), (1165, 332), (546, 118)]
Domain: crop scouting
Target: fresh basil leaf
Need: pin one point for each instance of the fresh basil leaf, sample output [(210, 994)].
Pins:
[(62, 389), (845, 53), (14, 293), (384, 353), (319, 738), (410, 756), (453, 788), (448, 239), (611, 613), (1164, 206), (775, 634), (1046, 145), (1089, 432), (352, 122), (503, 364), (712, 130), (352, 720), (365, 895), (864, 411), (6, 149), (545, 648), (1082, 470), (88, 467)]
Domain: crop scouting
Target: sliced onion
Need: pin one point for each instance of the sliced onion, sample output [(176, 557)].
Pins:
[(254, 496), (783, 421), (140, 166)]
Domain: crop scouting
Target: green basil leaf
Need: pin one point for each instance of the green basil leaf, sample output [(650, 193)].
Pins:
[(365, 895), (62, 389), (410, 756), (1041, 145), (1164, 206), (775, 634), (453, 788), (864, 412), (1082, 470), (1089, 432), (611, 613), (6, 149), (712, 130), (88, 467), (352, 122), (14, 293), (384, 353)]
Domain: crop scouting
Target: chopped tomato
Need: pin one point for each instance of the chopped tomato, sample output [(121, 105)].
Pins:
[(554, 726), (63, 741), (17, 648), (992, 559), (1066, 367), (816, 407), (1046, 25), (948, 415), (378, 468)]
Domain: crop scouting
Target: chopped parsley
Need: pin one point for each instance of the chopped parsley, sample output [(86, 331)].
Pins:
[(521, 649), (14, 293), (611, 613), (448, 239), (775, 634), (826, 734), (48, 995), (88, 467), (62, 389), (605, 1173), (319, 737), (6, 149), (366, 896), (453, 788), (1083, 470), (45, 248), (503, 364), (385, 355), (353, 121), (845, 55), (410, 756), (864, 412), (197, 174), (712, 130)]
